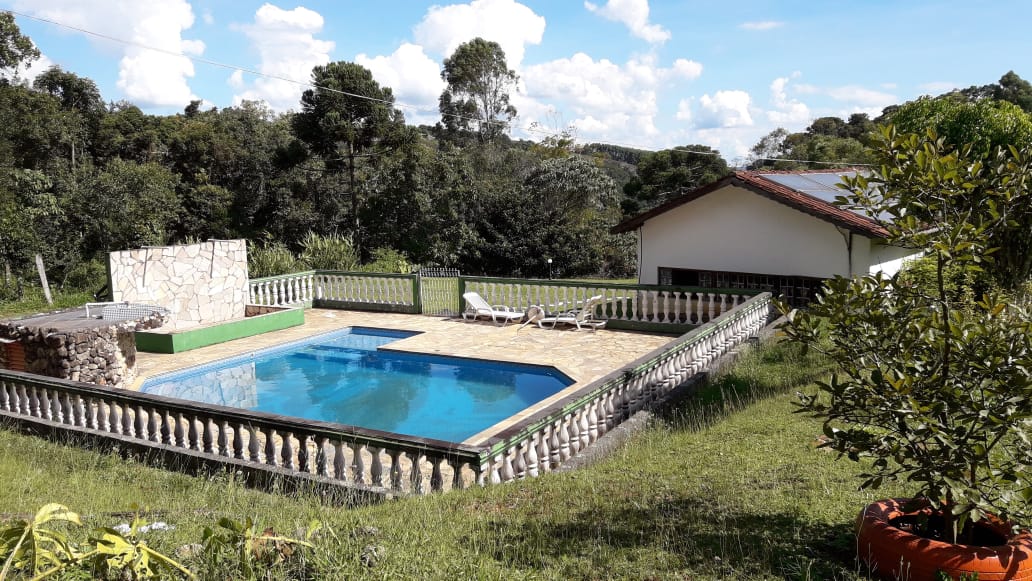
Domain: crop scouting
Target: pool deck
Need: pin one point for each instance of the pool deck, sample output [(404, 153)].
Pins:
[(583, 355)]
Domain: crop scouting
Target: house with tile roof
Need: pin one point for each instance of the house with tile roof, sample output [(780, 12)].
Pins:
[(769, 230)]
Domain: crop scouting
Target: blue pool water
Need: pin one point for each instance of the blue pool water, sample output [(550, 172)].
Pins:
[(342, 377)]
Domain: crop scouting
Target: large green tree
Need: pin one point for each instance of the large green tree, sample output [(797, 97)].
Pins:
[(15, 48), (985, 123), (346, 119), (476, 100), (667, 173)]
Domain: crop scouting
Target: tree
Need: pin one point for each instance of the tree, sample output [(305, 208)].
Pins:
[(476, 99), (937, 394), (346, 118), (15, 48), (669, 172), (1010, 87), (986, 123), (79, 96)]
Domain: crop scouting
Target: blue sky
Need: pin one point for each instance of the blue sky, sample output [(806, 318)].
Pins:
[(631, 72)]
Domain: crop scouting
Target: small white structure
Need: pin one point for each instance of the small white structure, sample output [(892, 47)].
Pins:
[(771, 230)]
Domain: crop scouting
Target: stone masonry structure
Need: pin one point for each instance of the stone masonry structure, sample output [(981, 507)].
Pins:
[(78, 349), (198, 283)]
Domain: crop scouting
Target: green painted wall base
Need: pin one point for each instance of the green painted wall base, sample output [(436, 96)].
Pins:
[(202, 337)]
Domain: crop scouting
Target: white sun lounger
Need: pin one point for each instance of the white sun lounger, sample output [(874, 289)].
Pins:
[(583, 317), (477, 307)]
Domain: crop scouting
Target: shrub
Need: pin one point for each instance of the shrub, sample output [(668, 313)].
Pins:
[(270, 259), (388, 260), (332, 252), (937, 392), (89, 275)]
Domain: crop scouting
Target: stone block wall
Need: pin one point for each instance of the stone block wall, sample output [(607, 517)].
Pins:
[(104, 355), (198, 283)]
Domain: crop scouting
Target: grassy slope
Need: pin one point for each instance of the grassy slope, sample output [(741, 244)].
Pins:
[(729, 484)]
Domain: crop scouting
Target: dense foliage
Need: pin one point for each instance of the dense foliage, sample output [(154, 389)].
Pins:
[(937, 389)]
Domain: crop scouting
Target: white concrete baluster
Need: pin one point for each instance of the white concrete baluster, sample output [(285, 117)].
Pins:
[(506, 472), (357, 462), (573, 429), (519, 462), (583, 428), (416, 472), (395, 470), (222, 437), (458, 482), (238, 441), (436, 477), (555, 444), (321, 463), (376, 465), (270, 445), (41, 404), (207, 437), (304, 464), (253, 445), (530, 463), (340, 471)]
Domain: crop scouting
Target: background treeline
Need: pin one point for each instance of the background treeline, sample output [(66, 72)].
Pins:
[(346, 179)]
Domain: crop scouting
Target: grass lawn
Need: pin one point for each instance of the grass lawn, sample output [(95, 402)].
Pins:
[(726, 485), (33, 301)]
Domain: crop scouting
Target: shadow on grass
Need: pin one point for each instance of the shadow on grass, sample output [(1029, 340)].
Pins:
[(679, 537)]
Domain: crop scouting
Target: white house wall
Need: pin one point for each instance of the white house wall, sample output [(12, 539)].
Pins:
[(736, 230), (889, 259)]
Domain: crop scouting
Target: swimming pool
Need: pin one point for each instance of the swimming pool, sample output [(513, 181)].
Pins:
[(344, 377)]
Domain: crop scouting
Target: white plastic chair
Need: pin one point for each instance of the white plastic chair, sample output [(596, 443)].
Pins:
[(477, 307)]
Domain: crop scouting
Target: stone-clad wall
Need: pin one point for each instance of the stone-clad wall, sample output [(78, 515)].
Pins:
[(102, 355), (198, 283)]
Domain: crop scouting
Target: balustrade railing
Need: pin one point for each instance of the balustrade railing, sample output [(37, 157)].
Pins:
[(394, 292), (628, 306), (545, 440), (373, 459)]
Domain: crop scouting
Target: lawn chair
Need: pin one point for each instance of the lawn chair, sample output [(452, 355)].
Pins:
[(581, 317), (477, 307)]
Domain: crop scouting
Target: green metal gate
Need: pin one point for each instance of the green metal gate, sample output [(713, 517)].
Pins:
[(439, 291)]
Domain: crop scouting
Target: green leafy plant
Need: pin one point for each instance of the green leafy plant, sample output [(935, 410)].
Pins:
[(387, 260), (130, 555), (249, 549), (937, 393), (33, 546), (270, 259), (332, 252)]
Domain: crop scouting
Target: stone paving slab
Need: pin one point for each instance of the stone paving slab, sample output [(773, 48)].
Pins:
[(583, 355)]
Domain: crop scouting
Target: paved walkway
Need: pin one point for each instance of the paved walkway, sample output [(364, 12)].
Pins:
[(583, 355)]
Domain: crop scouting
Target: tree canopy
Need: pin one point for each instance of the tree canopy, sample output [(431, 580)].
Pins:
[(476, 100)]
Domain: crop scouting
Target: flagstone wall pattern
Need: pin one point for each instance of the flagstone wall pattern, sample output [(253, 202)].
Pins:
[(199, 283)]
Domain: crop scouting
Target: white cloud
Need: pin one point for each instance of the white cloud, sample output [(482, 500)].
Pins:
[(761, 25), (146, 77), (684, 110), (207, 17), (414, 77), (29, 73), (609, 101), (861, 96), (635, 15), (687, 69), (287, 47), (511, 24), (725, 109), (786, 111)]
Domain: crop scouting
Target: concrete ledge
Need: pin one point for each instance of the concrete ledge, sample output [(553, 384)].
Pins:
[(179, 341)]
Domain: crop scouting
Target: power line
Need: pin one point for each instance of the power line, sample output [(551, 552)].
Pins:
[(533, 128)]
